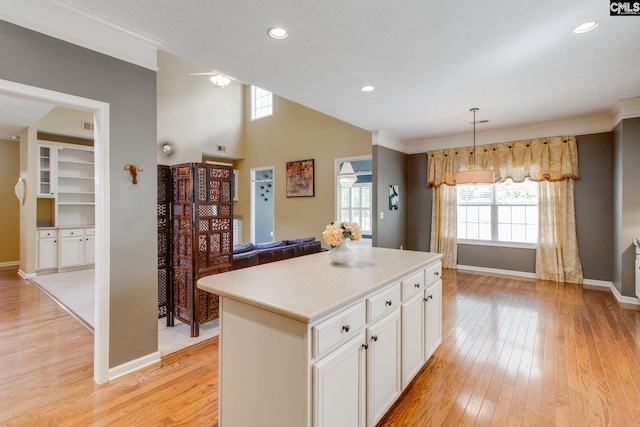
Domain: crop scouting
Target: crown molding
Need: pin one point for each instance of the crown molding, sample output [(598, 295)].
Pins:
[(83, 28), (626, 108), (384, 139), (579, 126)]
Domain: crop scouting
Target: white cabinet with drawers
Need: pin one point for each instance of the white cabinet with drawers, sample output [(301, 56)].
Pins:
[(294, 353), (64, 248)]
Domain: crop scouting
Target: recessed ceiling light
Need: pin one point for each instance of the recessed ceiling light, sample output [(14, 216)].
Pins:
[(278, 33), (367, 88), (586, 27)]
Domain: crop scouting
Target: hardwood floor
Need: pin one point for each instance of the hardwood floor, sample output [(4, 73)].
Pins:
[(515, 352)]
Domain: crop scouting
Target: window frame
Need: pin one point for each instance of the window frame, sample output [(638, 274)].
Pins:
[(494, 224), (254, 100)]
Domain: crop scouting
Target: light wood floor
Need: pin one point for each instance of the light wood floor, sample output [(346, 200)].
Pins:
[(514, 352)]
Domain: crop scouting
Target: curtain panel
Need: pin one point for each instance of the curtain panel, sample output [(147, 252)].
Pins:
[(541, 159), (553, 162)]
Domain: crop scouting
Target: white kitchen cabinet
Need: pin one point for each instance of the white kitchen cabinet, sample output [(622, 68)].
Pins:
[(47, 249), (432, 318), (383, 366), (412, 338), (71, 248), (89, 246), (306, 344), (65, 248), (339, 386)]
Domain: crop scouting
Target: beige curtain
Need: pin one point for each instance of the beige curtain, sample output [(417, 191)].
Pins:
[(551, 161), (542, 159), (444, 217), (557, 253)]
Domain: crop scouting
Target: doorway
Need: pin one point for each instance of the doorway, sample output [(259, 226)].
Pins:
[(354, 193), (262, 205), (100, 112)]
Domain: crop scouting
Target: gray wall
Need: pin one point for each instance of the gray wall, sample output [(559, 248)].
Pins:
[(594, 206), (594, 215), (389, 168), (33, 59), (626, 202)]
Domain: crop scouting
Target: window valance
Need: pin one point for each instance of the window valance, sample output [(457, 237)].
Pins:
[(541, 159)]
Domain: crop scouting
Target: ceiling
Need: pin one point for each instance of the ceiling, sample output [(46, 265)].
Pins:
[(17, 113), (430, 62)]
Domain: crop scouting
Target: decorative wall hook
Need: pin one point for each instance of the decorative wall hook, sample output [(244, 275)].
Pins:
[(134, 169)]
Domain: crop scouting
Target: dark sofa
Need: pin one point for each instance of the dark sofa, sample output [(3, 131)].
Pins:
[(249, 254)]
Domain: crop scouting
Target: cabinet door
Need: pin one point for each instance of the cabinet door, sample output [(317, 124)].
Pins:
[(339, 386), (71, 251), (383, 366), (432, 318), (47, 170), (89, 249), (412, 338), (47, 253)]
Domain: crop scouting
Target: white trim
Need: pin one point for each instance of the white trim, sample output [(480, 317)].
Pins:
[(586, 283), (518, 245), (134, 365), (580, 126), (101, 122), (626, 109), (623, 299), (9, 264), (496, 271), (26, 276), (83, 27), (384, 139)]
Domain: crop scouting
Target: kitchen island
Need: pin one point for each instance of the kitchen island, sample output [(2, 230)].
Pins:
[(307, 343)]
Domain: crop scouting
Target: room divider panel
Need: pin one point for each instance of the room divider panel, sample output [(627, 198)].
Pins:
[(201, 237)]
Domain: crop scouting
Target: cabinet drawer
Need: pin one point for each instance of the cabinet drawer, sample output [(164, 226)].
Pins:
[(434, 273), (338, 328), (72, 232), (412, 285), (383, 302), (43, 234)]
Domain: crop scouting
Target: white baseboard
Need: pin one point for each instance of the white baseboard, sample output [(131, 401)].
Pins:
[(496, 271), (26, 276), (586, 283), (9, 264), (134, 365)]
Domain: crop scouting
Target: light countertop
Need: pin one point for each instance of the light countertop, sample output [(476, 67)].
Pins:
[(307, 288)]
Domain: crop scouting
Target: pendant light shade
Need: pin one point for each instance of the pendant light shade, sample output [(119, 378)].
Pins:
[(474, 174), (347, 176)]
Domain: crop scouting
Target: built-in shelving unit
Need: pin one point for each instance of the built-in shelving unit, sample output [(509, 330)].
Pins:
[(66, 175)]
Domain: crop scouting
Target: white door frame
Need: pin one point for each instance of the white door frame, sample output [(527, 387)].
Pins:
[(253, 199), (100, 112)]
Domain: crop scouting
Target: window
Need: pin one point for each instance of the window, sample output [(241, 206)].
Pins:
[(261, 103), (355, 206), (501, 212), (354, 196)]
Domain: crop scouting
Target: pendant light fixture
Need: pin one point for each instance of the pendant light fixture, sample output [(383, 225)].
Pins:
[(474, 174), (347, 177)]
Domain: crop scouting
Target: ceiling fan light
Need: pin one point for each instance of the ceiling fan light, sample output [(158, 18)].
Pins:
[(220, 80)]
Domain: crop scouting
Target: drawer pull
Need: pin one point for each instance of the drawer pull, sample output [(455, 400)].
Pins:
[(389, 303), (346, 328), (437, 273), (417, 285), (365, 346), (428, 297), (374, 337)]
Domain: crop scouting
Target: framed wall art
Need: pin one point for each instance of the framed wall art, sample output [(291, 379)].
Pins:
[(394, 204), (300, 181)]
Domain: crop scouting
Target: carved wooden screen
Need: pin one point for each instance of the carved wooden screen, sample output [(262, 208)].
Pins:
[(164, 244), (202, 237)]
